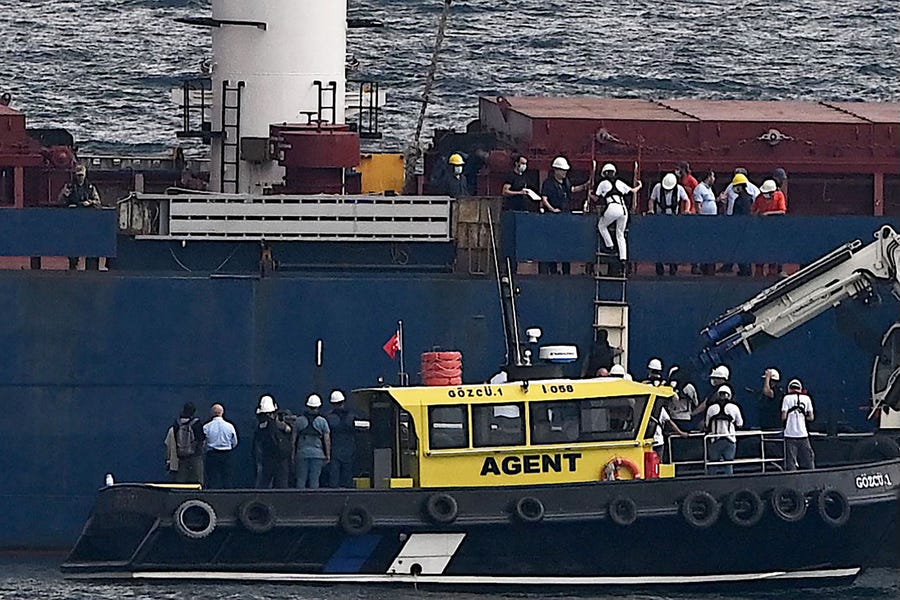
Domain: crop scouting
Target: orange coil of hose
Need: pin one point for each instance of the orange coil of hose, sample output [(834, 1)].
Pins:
[(442, 368)]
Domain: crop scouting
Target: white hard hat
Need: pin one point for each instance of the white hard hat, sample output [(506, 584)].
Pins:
[(266, 405), (724, 390), (768, 186), (655, 364), (608, 167), (560, 163), (669, 181), (795, 384), (775, 375), (313, 401), (617, 371), (337, 396), (720, 372)]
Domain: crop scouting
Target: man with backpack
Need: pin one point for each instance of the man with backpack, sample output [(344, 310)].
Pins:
[(187, 432), (722, 417), (796, 410), (273, 446), (313, 444)]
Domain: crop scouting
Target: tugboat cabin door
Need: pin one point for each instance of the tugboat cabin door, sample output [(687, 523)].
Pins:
[(393, 440)]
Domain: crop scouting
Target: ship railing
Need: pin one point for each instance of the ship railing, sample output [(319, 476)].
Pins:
[(761, 461)]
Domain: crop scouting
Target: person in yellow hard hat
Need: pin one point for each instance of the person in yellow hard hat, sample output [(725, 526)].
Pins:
[(456, 184), (738, 197)]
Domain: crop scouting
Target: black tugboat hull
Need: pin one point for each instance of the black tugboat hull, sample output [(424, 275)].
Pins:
[(705, 531)]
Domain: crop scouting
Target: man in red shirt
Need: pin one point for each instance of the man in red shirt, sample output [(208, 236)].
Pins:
[(688, 182), (771, 201)]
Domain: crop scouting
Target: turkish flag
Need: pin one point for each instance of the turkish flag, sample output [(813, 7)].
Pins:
[(392, 346)]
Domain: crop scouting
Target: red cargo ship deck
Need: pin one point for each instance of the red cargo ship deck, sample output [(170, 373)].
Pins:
[(842, 157)]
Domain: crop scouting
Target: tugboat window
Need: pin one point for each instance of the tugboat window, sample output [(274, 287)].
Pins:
[(589, 420), (448, 427), (498, 425)]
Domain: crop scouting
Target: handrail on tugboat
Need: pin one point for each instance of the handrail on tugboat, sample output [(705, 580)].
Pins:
[(685, 466)]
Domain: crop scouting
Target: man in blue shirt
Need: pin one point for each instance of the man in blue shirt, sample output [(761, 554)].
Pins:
[(221, 439)]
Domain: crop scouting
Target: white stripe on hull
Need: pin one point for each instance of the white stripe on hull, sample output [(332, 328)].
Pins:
[(481, 579)]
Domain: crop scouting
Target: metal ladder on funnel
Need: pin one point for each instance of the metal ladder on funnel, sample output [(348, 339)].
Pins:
[(230, 172), (610, 302)]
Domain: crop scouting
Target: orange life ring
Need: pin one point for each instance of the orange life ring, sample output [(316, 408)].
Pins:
[(611, 469)]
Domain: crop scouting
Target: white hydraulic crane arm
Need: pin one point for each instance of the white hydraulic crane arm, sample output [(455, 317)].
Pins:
[(847, 272)]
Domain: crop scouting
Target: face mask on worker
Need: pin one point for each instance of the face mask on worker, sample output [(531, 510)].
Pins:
[(457, 170), (520, 168)]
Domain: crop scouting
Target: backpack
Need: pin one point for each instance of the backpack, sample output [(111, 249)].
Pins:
[(284, 443), (185, 440)]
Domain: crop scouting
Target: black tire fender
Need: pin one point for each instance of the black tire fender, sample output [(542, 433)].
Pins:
[(356, 520), (833, 506), (744, 507), (788, 503), (183, 519), (529, 509), (622, 511), (441, 508), (700, 509), (257, 516)]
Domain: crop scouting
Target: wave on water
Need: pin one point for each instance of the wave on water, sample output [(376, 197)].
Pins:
[(103, 68)]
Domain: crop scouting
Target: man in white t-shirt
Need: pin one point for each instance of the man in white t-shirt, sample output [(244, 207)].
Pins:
[(722, 418), (796, 410), (659, 437)]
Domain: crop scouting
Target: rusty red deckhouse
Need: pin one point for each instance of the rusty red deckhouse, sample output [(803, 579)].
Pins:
[(842, 157)]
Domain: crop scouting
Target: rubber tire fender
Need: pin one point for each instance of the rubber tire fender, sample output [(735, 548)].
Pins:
[(441, 509), (734, 507), (529, 509), (622, 511), (248, 516), (829, 498), (182, 527), (356, 520), (797, 501), (700, 500)]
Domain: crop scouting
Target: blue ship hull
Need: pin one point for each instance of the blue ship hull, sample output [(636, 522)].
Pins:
[(97, 365)]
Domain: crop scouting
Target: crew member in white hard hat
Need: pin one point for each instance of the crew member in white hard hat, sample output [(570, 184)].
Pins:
[(313, 444), (770, 400), (723, 417), (667, 198), (796, 410), (618, 372), (610, 195), (341, 422), (718, 376), (273, 446), (654, 372), (556, 197), (770, 202)]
